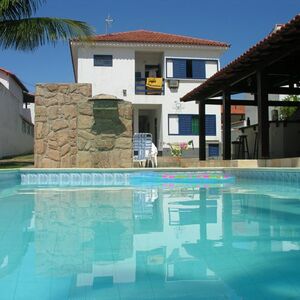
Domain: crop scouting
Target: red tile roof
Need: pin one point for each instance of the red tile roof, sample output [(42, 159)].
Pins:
[(17, 80), (151, 37)]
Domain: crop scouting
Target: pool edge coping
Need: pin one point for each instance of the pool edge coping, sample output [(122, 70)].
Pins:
[(172, 169), (143, 170)]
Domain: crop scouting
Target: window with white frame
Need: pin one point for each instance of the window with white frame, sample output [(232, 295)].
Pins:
[(190, 68), (188, 124)]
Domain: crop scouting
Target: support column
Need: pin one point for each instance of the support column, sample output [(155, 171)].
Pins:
[(202, 143), (226, 118), (263, 116)]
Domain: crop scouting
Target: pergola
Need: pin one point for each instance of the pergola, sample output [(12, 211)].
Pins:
[(272, 66)]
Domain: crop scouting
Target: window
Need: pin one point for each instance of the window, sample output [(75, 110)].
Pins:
[(189, 125), (213, 150), (186, 68), (27, 128), (185, 124), (211, 67), (210, 125), (103, 60), (195, 125), (173, 124)]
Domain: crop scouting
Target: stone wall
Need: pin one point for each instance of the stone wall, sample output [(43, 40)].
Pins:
[(73, 130)]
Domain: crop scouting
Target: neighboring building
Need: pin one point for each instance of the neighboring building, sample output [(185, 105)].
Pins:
[(16, 127), (120, 63)]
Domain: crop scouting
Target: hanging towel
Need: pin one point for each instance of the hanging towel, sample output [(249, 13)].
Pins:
[(154, 83)]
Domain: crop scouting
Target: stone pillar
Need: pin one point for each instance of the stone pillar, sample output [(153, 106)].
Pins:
[(56, 111), (108, 142), (73, 130)]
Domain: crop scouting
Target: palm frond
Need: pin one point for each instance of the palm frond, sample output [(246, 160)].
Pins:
[(28, 34), (18, 9)]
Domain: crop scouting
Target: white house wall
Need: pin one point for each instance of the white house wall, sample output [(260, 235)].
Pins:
[(12, 139), (4, 79), (16, 90), (114, 80), (108, 80)]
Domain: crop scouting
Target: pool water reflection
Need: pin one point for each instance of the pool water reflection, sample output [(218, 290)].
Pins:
[(166, 242)]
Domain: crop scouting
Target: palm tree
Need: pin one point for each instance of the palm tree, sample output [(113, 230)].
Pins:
[(20, 31)]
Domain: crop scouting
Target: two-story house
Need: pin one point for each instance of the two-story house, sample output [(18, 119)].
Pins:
[(153, 70), (16, 127)]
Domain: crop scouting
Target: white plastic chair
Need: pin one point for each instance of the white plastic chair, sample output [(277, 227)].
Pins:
[(142, 145), (152, 156)]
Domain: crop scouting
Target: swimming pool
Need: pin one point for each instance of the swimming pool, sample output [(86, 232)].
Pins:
[(160, 235)]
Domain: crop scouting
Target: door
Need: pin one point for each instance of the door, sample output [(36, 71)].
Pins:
[(144, 124)]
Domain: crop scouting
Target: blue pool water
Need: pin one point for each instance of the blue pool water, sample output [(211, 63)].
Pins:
[(236, 238)]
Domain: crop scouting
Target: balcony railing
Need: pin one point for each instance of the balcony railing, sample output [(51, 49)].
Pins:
[(141, 88)]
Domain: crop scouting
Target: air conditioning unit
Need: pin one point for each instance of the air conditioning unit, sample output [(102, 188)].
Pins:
[(173, 84)]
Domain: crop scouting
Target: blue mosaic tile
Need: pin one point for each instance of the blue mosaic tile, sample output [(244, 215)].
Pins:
[(75, 179)]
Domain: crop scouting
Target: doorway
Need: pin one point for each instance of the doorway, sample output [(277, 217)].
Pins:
[(152, 71), (144, 124), (147, 119), (148, 124)]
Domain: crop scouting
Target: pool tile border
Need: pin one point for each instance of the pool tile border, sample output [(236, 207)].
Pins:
[(95, 177)]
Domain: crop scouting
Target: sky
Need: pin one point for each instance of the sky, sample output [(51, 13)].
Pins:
[(241, 23)]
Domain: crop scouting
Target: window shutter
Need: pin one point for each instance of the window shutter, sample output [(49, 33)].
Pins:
[(213, 150), (179, 68), (210, 125), (195, 125), (198, 69), (185, 124)]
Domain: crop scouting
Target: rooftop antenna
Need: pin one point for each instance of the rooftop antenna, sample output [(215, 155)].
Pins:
[(108, 22)]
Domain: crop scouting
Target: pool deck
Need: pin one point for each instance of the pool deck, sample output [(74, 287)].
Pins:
[(293, 162), (132, 170)]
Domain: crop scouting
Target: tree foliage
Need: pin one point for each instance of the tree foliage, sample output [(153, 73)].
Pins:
[(19, 30), (285, 112)]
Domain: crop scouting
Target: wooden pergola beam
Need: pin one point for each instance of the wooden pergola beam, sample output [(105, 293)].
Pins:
[(271, 90), (226, 117), (232, 102), (252, 102), (284, 103), (202, 135), (263, 115)]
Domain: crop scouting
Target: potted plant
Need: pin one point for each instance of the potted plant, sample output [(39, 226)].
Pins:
[(177, 149)]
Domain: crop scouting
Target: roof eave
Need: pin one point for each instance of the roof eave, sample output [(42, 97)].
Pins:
[(149, 44)]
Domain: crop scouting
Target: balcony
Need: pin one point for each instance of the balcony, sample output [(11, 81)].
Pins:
[(142, 88)]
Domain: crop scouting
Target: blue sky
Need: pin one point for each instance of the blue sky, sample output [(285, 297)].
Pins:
[(240, 23)]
